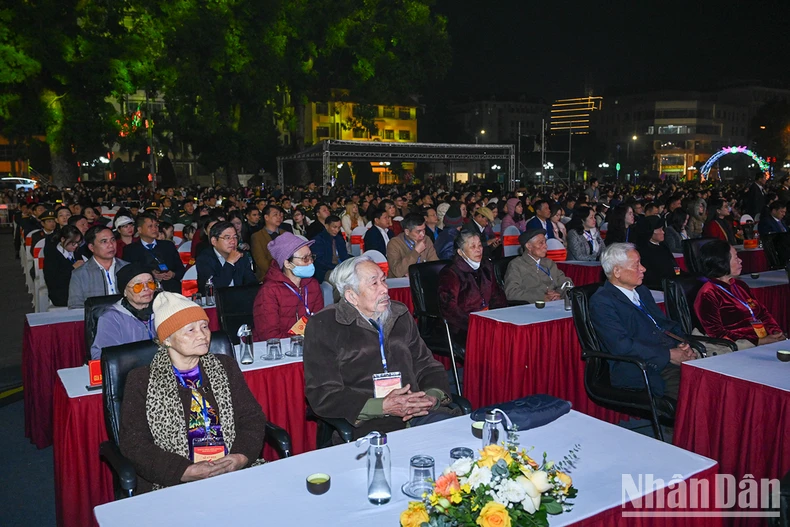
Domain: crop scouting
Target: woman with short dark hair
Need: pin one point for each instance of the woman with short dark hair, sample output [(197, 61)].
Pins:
[(675, 231), (725, 305), (59, 261)]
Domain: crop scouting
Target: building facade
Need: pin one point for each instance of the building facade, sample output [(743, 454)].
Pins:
[(574, 115), (497, 120)]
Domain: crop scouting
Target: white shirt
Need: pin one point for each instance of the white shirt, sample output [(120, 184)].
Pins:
[(385, 235), (153, 244), (64, 252), (631, 294), (109, 277)]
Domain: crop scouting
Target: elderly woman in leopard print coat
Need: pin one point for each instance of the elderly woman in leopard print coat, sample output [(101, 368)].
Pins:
[(189, 415)]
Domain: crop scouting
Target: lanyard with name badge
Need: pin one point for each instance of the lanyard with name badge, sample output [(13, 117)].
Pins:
[(209, 447), (757, 324), (384, 383), (301, 322)]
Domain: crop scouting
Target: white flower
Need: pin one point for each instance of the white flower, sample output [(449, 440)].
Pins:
[(528, 487), (530, 504), (461, 467), (479, 476), (540, 479), (511, 491)]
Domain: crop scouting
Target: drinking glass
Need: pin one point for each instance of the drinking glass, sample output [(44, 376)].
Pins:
[(297, 346), (421, 475), (460, 453), (273, 350)]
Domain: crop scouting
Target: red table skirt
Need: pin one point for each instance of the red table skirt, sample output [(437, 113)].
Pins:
[(742, 425), (582, 274), (615, 516), (45, 350), (754, 261), (402, 294), (505, 362), (775, 299), (83, 481)]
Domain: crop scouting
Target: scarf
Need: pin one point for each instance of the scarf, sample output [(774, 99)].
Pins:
[(165, 412), (143, 314)]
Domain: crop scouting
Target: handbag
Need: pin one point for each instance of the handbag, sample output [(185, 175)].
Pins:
[(528, 412)]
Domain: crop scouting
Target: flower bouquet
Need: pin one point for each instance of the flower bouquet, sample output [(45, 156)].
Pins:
[(503, 488)]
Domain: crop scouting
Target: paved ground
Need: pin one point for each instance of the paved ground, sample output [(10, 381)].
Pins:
[(27, 493)]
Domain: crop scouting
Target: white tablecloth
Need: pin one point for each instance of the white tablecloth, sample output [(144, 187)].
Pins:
[(275, 493), (529, 314), (65, 315), (75, 380), (758, 365), (766, 279), (583, 263)]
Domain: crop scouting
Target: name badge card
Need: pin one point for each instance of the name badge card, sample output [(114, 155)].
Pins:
[(298, 328), (384, 383), (207, 449)]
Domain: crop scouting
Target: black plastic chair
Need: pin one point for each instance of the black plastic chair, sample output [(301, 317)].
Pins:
[(424, 283), (117, 362), (679, 295), (328, 425), (597, 382), (777, 249), (691, 253), (94, 307), (500, 268), (234, 308)]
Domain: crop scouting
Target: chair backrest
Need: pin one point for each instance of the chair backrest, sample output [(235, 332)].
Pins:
[(679, 295), (94, 307), (424, 283), (500, 268), (358, 240), (329, 293), (580, 305), (234, 307), (118, 361), (691, 253), (510, 242), (185, 247), (777, 249), (178, 230), (191, 273)]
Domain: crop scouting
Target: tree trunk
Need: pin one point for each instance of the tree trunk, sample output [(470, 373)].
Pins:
[(63, 173)]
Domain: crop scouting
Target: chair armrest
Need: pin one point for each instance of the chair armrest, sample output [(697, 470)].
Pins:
[(123, 468), (712, 340), (698, 346), (606, 356), (341, 426), (462, 403), (279, 439)]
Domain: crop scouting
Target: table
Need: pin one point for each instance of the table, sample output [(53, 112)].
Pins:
[(53, 341), (263, 494), (773, 291), (735, 408), (753, 260), (400, 290), (83, 481), (522, 350), (582, 273)]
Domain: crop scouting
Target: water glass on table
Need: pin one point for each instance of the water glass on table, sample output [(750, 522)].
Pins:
[(273, 350)]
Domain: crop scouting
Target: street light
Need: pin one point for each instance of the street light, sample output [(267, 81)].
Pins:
[(477, 136), (495, 167), (628, 148), (603, 165)]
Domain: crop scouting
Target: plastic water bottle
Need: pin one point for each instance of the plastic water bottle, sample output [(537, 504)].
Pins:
[(210, 291), (244, 334), (379, 468)]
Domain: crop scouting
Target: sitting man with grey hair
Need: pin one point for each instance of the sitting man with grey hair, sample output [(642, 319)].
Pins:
[(532, 276), (364, 360), (629, 323)]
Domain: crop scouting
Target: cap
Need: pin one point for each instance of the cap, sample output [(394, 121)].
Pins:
[(528, 234), (48, 214), (151, 205), (127, 272), (485, 211), (452, 217), (122, 220), (285, 245)]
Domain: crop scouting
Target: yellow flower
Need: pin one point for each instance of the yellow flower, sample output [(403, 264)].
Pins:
[(494, 515), (493, 453), (415, 515), (565, 479)]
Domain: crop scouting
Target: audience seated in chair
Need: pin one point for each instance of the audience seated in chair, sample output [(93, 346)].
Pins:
[(532, 277), (409, 247), (97, 277), (329, 249), (629, 323), (468, 285), (385, 339), (166, 404), (224, 263), (725, 305)]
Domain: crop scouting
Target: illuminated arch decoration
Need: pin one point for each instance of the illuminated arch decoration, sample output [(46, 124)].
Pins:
[(763, 164)]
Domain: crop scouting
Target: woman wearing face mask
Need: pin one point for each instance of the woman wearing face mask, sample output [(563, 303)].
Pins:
[(467, 285), (289, 295), (130, 319)]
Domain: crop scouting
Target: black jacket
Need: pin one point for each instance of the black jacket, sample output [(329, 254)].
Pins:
[(57, 274), (375, 241), (208, 267), (659, 263), (164, 252)]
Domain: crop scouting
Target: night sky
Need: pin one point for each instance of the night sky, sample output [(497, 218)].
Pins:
[(554, 49)]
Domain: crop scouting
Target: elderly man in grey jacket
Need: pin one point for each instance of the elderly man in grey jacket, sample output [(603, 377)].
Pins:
[(97, 276), (532, 276)]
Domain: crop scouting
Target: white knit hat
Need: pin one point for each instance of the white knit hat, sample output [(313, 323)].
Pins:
[(173, 311)]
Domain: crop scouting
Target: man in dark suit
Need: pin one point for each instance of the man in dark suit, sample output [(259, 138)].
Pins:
[(379, 234), (541, 218), (329, 249), (774, 221), (629, 323), (161, 256), (754, 201), (224, 264)]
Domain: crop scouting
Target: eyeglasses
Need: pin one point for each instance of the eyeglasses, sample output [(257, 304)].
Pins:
[(228, 238), (139, 286), (309, 258)]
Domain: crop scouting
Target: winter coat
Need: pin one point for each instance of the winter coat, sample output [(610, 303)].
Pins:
[(277, 308)]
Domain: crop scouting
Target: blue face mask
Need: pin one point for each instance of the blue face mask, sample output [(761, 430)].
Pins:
[(304, 271)]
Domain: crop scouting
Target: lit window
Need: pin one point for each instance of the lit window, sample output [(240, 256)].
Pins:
[(404, 135)]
